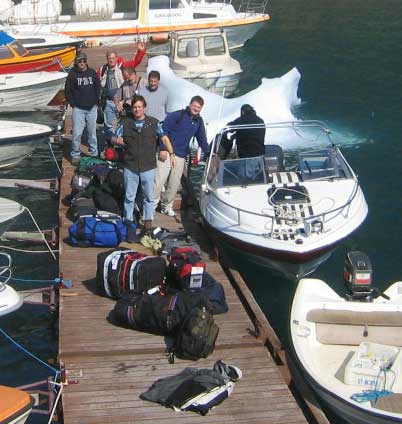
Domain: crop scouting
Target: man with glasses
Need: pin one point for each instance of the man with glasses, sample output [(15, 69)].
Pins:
[(82, 91)]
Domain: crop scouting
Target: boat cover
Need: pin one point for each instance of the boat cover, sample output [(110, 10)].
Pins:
[(13, 402)]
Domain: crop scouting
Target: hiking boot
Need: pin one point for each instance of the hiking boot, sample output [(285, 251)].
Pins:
[(131, 232), (168, 212), (148, 225)]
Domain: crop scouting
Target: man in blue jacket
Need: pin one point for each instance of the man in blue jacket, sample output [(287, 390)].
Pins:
[(180, 126)]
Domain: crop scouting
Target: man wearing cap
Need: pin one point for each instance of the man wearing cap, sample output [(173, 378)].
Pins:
[(82, 91), (249, 141)]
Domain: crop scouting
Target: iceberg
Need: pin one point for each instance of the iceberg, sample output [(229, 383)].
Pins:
[(273, 99)]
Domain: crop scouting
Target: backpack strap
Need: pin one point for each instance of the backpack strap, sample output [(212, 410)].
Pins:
[(169, 318)]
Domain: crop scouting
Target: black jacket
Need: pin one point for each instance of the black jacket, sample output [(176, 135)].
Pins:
[(250, 142), (82, 89), (140, 151)]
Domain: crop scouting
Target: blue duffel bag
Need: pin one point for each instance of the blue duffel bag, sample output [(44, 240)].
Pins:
[(99, 230)]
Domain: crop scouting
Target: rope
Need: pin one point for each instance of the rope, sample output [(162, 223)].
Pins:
[(41, 233), (56, 401), (19, 346), (26, 250), (370, 395), (58, 280), (54, 157)]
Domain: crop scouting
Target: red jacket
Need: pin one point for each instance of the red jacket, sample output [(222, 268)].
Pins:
[(124, 63)]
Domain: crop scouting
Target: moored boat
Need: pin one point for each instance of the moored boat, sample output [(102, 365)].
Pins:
[(15, 405), (110, 22), (29, 90), (18, 140), (34, 40), (293, 210), (16, 58), (203, 58), (10, 300), (9, 210), (350, 348)]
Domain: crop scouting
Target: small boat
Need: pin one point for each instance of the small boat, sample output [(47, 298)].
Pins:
[(9, 209), (18, 140), (113, 22), (203, 58), (15, 405), (350, 348), (29, 90), (10, 300), (34, 40), (16, 58), (295, 210)]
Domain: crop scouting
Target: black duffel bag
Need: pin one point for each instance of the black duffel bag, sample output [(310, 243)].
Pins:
[(158, 311)]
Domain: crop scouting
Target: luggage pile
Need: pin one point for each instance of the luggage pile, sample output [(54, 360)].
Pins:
[(96, 205), (172, 296)]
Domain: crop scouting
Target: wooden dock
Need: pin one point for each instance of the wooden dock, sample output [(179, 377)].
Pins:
[(108, 367)]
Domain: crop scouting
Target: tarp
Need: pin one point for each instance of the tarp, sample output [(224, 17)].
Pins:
[(5, 38)]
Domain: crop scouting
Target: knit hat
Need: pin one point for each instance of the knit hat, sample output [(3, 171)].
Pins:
[(80, 56)]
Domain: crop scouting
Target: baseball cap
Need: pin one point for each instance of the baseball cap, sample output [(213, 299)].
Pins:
[(80, 56)]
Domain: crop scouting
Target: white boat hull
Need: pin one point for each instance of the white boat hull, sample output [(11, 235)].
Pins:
[(29, 91), (10, 300), (323, 346), (18, 140)]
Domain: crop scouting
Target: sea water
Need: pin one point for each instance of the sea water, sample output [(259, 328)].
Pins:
[(348, 55)]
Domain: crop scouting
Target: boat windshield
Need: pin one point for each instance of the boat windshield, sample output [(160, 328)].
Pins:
[(319, 165), (18, 48), (240, 172)]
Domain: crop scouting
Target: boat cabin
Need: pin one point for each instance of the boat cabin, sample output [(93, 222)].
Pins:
[(202, 57)]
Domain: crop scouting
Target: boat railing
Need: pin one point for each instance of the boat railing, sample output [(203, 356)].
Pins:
[(289, 218), (251, 7), (5, 268)]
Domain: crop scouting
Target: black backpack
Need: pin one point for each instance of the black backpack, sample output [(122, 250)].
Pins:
[(196, 337)]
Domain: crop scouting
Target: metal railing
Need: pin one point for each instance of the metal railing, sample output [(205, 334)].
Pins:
[(295, 220)]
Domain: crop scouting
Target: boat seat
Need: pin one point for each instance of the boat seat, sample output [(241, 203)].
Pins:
[(345, 327), (284, 177)]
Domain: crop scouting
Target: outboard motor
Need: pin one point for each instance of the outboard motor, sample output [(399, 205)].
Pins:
[(357, 274)]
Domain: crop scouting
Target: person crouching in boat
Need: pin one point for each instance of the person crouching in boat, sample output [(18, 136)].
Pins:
[(111, 79), (140, 141)]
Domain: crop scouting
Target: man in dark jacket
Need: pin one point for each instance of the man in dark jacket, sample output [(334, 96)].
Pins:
[(180, 126), (140, 140), (82, 91), (249, 141)]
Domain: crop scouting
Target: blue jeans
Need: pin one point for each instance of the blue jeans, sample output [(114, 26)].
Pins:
[(80, 118), (110, 118), (131, 181)]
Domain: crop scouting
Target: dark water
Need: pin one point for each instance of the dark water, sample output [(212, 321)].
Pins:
[(348, 53)]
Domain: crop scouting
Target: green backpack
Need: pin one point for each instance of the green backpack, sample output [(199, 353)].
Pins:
[(87, 162), (197, 336)]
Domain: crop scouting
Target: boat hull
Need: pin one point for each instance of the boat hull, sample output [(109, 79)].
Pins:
[(239, 30), (51, 60), (29, 97)]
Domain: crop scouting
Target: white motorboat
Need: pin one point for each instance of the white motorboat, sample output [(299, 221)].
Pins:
[(203, 58), (9, 209), (34, 40), (18, 140), (295, 209), (15, 405), (10, 300), (349, 349), (29, 90), (112, 22)]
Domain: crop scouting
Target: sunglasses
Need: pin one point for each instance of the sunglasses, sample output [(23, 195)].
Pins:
[(82, 61)]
